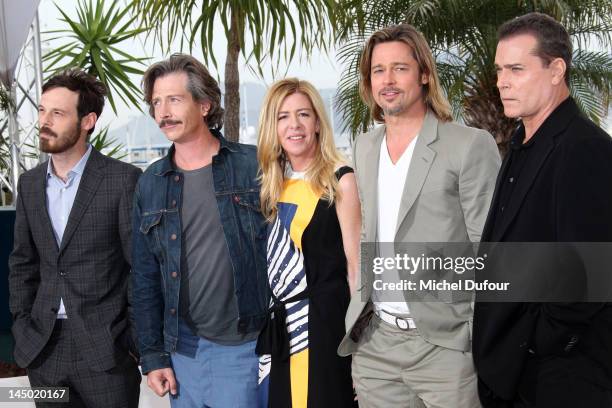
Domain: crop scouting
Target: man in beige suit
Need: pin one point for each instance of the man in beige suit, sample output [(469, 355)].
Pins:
[(421, 178)]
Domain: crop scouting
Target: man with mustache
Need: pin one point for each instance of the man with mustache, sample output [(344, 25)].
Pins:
[(200, 279), (421, 178), (70, 266)]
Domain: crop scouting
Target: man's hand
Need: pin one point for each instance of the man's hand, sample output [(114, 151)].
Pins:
[(161, 381)]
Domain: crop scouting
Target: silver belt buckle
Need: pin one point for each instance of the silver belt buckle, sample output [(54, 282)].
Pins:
[(405, 323)]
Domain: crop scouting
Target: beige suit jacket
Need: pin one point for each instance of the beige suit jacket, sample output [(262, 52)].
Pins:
[(447, 194)]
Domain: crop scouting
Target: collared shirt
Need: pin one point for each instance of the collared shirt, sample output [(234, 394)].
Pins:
[(60, 197), (519, 155)]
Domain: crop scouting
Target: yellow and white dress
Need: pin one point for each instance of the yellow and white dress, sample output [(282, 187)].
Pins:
[(306, 261)]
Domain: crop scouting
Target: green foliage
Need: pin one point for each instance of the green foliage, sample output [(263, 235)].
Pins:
[(270, 24), (5, 104), (5, 100), (95, 35), (5, 154), (102, 142), (462, 36), (591, 81)]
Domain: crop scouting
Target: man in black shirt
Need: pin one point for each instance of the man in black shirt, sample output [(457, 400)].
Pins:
[(555, 185)]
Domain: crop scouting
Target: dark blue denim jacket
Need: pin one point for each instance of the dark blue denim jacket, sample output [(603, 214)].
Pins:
[(156, 257)]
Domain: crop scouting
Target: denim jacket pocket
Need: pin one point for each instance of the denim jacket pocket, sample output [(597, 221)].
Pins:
[(149, 220), (250, 208), (248, 199), (149, 227)]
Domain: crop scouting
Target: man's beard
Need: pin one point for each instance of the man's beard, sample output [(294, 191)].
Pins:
[(59, 144), (390, 109), (393, 111)]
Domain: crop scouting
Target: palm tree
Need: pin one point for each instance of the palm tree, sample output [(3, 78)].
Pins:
[(462, 36), (270, 24), (95, 36)]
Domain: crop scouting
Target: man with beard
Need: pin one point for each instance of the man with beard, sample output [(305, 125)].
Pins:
[(70, 265), (421, 178)]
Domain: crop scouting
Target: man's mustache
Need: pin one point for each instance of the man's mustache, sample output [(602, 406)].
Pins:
[(47, 131), (389, 89), (167, 122)]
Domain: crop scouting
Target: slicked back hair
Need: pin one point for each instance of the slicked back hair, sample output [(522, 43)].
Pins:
[(553, 40)]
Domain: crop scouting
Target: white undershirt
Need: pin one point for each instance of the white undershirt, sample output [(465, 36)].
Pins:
[(391, 180)]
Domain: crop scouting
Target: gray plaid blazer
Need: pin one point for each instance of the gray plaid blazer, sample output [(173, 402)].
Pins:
[(90, 269)]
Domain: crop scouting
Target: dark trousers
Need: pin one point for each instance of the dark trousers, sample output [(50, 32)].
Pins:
[(550, 382), (60, 365)]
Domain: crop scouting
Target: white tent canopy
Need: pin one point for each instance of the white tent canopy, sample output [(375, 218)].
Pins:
[(15, 20)]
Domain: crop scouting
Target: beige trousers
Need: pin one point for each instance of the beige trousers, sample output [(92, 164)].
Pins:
[(397, 368)]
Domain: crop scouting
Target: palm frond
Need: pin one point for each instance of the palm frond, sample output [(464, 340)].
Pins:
[(591, 82), (102, 142), (463, 37), (93, 39)]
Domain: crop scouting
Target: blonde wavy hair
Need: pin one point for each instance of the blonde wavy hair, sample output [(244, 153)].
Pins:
[(272, 160)]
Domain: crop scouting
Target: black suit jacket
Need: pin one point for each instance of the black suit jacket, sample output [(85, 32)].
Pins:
[(90, 269), (564, 196)]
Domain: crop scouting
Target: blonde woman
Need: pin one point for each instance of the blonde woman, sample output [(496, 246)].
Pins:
[(309, 197)]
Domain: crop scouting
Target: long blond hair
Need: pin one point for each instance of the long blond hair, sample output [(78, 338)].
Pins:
[(432, 91), (272, 161)]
